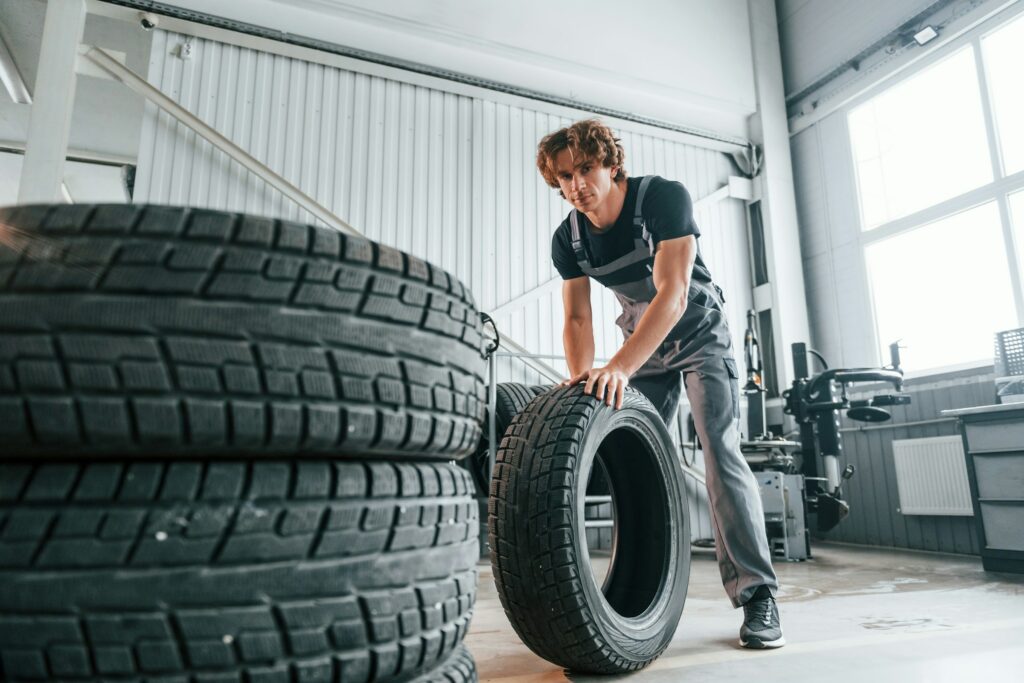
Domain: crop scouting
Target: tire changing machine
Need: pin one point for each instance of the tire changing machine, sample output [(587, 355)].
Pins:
[(793, 487)]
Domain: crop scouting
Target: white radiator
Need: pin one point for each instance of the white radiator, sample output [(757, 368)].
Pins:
[(931, 475)]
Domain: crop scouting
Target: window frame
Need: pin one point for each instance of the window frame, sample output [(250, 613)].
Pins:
[(997, 191)]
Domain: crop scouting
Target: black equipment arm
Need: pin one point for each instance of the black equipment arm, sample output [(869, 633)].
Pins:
[(815, 402), (851, 375)]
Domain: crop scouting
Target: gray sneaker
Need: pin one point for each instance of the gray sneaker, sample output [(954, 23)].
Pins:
[(761, 627)]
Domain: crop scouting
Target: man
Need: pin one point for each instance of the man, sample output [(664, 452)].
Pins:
[(637, 237)]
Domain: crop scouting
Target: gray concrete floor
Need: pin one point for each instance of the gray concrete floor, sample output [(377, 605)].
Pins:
[(850, 614)]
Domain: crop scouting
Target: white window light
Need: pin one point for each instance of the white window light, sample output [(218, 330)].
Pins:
[(11, 78), (919, 276), (900, 168)]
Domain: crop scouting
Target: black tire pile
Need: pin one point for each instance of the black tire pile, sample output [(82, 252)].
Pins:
[(225, 451)]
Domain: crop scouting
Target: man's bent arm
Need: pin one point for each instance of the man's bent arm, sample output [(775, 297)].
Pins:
[(578, 332), (673, 265)]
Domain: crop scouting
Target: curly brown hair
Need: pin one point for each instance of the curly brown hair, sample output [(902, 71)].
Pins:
[(588, 138)]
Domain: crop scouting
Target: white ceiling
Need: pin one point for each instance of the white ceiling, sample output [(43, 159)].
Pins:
[(688, 62)]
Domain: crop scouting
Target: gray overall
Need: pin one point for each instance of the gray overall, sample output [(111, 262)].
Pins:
[(698, 352)]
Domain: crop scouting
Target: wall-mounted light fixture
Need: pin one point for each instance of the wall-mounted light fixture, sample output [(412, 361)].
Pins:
[(926, 35)]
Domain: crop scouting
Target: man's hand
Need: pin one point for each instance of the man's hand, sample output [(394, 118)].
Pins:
[(606, 384)]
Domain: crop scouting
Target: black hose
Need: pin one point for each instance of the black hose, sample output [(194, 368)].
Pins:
[(492, 345), (819, 357)]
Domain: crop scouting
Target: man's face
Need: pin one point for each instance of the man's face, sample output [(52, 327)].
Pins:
[(585, 183)]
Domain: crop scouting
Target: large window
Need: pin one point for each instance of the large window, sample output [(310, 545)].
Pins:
[(921, 142), (939, 166), (953, 301), (1004, 55), (1017, 212)]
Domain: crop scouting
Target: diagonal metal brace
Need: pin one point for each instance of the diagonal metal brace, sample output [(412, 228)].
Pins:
[(139, 85)]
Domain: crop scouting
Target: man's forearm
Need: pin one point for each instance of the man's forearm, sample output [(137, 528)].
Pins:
[(657, 321), (578, 341)]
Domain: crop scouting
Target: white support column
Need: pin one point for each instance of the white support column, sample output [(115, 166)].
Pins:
[(49, 125), (770, 130)]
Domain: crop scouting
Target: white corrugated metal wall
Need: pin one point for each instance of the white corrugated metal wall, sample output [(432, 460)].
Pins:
[(448, 177)]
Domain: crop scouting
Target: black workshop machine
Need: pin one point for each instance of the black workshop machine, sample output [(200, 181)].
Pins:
[(802, 479)]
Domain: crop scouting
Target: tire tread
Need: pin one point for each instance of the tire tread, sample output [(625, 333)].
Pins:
[(167, 331), (102, 613)]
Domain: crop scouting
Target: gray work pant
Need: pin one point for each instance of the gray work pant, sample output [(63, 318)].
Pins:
[(741, 544)]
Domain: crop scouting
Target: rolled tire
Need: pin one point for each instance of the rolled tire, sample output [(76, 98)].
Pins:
[(459, 668), (597, 538), (536, 530), (168, 331), (260, 570), (510, 398)]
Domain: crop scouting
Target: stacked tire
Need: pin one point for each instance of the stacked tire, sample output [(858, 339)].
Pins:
[(226, 450)]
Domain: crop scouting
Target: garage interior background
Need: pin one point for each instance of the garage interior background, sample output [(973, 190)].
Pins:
[(417, 123)]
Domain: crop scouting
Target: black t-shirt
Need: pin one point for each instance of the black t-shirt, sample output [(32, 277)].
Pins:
[(667, 212)]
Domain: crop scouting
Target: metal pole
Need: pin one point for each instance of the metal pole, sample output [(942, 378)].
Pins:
[(544, 356), (492, 429), (598, 523), (527, 357), (596, 500), (251, 163)]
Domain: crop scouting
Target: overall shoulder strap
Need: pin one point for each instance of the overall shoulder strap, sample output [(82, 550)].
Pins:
[(576, 238), (638, 217)]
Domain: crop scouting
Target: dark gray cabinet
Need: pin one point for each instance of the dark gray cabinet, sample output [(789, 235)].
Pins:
[(994, 446)]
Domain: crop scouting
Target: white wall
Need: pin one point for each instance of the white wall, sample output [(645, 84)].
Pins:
[(838, 297), (683, 61)]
